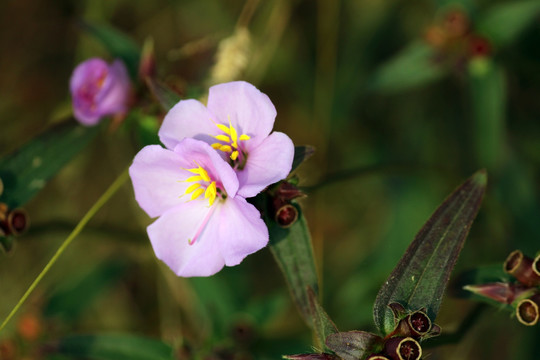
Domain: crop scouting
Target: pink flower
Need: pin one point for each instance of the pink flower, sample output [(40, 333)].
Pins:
[(99, 89), (237, 122), (203, 223)]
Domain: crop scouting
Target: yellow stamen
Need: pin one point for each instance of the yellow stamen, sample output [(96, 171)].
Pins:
[(197, 193), (225, 148), (192, 187), (223, 128), (210, 193), (216, 146), (244, 137), (224, 138), (204, 174), (194, 178), (234, 155)]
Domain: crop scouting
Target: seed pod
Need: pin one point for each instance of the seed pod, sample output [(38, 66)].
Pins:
[(17, 221), (527, 310), (520, 266), (536, 265), (286, 215), (403, 348), (377, 357)]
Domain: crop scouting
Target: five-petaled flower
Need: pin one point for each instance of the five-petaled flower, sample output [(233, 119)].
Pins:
[(99, 89), (237, 122)]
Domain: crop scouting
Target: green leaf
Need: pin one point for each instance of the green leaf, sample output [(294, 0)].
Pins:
[(301, 154), (414, 66), (293, 252), (322, 324), (117, 43), (112, 347), (352, 345), (79, 290), (420, 277), (505, 21), (488, 96), (26, 171), (166, 96)]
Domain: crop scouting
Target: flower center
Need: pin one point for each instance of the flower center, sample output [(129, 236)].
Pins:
[(201, 184), (229, 141)]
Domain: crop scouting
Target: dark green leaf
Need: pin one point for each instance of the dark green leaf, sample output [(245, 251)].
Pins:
[(488, 96), (414, 66), (420, 277), (112, 347), (352, 345), (505, 21), (117, 43), (27, 170), (166, 96), (79, 290), (301, 154), (322, 324), (292, 250)]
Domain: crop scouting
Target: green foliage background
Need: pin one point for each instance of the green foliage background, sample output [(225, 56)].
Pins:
[(388, 151)]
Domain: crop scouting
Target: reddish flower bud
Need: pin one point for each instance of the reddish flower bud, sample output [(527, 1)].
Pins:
[(403, 348), (521, 267), (147, 63), (503, 293), (527, 310), (456, 23), (479, 46)]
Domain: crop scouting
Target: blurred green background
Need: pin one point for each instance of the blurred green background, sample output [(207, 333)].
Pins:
[(402, 100)]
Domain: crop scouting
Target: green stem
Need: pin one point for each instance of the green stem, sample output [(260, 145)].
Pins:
[(80, 226)]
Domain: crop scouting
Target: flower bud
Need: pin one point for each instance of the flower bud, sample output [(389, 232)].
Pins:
[(503, 293), (99, 89), (147, 64), (527, 310), (403, 348), (521, 267)]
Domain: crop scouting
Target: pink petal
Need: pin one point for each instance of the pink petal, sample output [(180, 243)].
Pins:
[(266, 164), (198, 152), (187, 119), (171, 233), (242, 231), (250, 111), (116, 90), (156, 173)]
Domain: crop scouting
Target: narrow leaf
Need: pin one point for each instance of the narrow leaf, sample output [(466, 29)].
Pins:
[(27, 170), (292, 251), (117, 43), (414, 66), (112, 347), (301, 154), (322, 324), (505, 21), (166, 96), (352, 345), (420, 277)]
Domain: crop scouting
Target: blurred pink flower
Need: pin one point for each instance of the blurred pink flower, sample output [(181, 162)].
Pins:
[(237, 122), (203, 223), (99, 89)]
